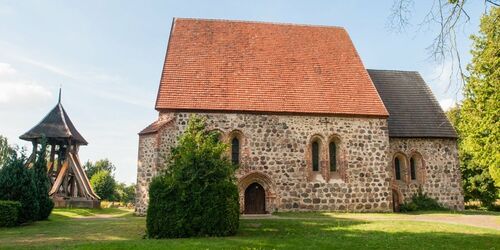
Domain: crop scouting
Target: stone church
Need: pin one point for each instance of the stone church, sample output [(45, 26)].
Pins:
[(309, 126)]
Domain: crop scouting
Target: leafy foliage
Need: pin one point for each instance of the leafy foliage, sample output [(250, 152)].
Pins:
[(124, 193), (476, 180), (17, 184), (197, 194), (103, 184), (9, 213), (42, 184), (101, 165), (421, 202), (478, 119)]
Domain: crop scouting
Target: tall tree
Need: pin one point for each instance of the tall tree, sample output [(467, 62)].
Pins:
[(476, 180), (480, 114), (100, 165), (125, 193), (104, 185), (5, 149)]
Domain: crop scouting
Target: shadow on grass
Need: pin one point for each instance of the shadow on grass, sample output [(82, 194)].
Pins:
[(315, 234), (306, 232)]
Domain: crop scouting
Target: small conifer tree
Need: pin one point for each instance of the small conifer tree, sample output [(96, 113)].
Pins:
[(42, 184)]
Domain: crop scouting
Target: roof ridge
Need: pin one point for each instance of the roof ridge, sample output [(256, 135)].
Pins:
[(394, 70), (258, 22)]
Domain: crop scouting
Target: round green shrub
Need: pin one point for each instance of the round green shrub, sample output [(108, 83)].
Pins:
[(9, 213), (197, 194)]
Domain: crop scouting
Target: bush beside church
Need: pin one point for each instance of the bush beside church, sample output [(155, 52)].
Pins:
[(197, 194)]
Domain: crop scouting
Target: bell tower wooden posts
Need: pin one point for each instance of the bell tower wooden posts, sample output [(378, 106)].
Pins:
[(70, 185)]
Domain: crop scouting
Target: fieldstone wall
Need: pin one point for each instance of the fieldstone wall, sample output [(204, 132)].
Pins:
[(145, 171), (151, 161), (276, 153), (437, 166)]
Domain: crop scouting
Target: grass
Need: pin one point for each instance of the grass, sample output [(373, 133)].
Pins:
[(119, 229)]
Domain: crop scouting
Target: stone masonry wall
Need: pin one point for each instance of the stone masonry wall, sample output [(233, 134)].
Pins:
[(276, 153), (150, 162), (437, 165)]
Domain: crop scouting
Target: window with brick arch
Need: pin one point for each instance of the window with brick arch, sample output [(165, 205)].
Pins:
[(315, 156), (235, 151), (413, 169), (397, 168), (332, 149)]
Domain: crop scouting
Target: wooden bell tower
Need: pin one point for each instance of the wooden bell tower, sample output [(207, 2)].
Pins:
[(70, 184)]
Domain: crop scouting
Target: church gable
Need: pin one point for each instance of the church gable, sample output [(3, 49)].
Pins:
[(218, 65)]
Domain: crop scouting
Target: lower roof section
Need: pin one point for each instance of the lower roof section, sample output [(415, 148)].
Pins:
[(413, 109)]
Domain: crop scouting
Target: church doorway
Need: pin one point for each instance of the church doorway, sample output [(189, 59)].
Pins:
[(255, 199), (395, 200)]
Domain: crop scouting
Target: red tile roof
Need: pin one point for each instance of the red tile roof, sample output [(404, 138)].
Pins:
[(221, 65), (155, 127)]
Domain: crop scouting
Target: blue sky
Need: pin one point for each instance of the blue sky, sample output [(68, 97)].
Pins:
[(108, 55)]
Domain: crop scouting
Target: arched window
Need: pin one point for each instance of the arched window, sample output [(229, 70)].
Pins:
[(413, 169), (332, 149), (235, 151), (315, 156), (397, 168)]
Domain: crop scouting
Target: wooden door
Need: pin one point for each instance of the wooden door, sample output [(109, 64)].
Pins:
[(255, 199), (395, 201)]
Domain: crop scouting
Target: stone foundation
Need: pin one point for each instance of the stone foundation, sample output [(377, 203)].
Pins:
[(75, 202)]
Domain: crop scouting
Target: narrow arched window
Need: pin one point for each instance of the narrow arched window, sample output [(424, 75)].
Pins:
[(332, 148), (315, 156), (413, 170), (397, 168), (235, 151)]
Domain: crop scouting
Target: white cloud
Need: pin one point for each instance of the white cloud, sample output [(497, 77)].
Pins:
[(6, 69), (447, 104), (19, 92), (14, 90)]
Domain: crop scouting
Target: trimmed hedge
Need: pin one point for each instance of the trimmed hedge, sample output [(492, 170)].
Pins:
[(9, 213), (197, 195)]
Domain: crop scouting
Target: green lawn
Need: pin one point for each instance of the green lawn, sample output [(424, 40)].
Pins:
[(119, 229)]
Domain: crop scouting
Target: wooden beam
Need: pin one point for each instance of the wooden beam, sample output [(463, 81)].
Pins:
[(59, 178), (50, 164), (81, 177)]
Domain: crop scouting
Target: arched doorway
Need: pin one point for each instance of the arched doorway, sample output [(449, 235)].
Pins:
[(255, 199), (395, 200)]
